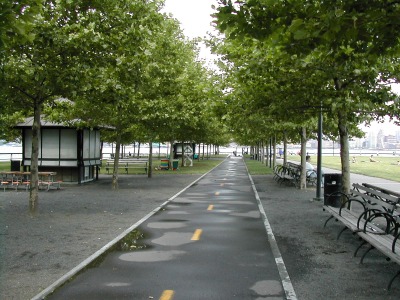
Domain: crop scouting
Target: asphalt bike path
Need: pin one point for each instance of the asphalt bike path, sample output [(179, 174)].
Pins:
[(212, 241)]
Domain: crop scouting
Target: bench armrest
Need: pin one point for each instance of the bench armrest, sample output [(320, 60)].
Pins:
[(391, 223)]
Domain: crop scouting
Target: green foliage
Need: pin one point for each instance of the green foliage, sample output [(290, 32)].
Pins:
[(297, 54), (290, 59), (17, 21)]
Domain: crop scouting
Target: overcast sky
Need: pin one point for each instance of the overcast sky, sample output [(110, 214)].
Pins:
[(194, 15), (195, 18)]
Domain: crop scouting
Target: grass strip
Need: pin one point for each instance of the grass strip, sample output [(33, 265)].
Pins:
[(385, 167)]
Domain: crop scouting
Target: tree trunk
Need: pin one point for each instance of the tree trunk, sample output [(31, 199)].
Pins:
[(303, 153), (344, 152), (138, 151), (171, 155), (274, 153), (34, 184), (150, 162), (270, 152), (114, 182), (183, 154), (284, 148)]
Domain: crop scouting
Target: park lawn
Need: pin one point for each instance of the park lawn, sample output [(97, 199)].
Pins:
[(385, 167), (256, 167), (5, 166), (200, 166)]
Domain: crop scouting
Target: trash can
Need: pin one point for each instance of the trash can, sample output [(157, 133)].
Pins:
[(175, 164), (332, 184), (164, 164), (15, 165)]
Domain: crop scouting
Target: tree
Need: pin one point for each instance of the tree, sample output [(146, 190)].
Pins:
[(16, 26), (115, 60), (31, 75), (348, 47)]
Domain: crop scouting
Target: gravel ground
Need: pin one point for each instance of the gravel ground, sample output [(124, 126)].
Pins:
[(72, 223), (319, 265), (76, 221)]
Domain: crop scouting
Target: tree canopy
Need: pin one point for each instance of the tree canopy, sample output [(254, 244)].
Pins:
[(120, 64), (296, 57)]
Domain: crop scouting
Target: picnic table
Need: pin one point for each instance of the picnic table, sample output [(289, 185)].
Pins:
[(17, 179)]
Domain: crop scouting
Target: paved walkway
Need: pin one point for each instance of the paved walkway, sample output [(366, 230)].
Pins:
[(211, 241)]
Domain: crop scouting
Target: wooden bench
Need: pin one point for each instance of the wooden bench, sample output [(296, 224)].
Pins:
[(4, 184), (127, 164), (373, 213), (287, 173), (47, 184), (14, 181)]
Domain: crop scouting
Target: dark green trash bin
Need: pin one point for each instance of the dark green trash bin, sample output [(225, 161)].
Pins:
[(175, 164), (15, 165), (332, 188)]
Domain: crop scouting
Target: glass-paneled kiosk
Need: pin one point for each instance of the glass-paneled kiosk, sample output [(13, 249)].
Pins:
[(74, 154)]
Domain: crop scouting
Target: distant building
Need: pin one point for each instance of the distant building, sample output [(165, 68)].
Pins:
[(397, 134)]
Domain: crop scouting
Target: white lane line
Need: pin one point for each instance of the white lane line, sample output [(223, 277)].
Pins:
[(286, 282)]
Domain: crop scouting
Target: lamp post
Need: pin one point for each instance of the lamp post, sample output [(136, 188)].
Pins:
[(319, 158)]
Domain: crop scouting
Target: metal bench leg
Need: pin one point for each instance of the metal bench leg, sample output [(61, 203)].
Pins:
[(391, 281), (394, 243), (365, 254), (340, 233), (359, 247), (326, 222)]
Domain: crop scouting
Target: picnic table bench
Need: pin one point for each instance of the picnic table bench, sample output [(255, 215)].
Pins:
[(373, 213), (290, 173), (17, 179), (126, 164)]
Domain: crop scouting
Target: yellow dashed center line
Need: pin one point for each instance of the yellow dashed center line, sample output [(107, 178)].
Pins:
[(196, 235), (167, 295), (210, 207)]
